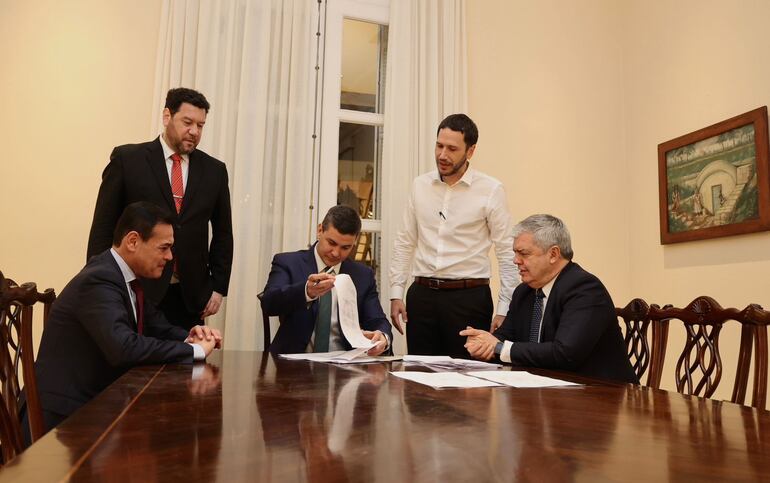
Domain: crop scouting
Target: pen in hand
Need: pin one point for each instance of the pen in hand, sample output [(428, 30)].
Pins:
[(326, 269)]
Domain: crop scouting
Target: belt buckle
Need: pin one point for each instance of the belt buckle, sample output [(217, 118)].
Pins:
[(433, 283)]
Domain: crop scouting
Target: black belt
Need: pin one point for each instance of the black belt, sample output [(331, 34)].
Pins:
[(450, 284)]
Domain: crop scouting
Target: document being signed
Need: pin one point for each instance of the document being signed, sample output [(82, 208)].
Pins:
[(347, 300)]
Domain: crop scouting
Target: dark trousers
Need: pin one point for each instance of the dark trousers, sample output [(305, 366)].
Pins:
[(436, 317), (175, 310)]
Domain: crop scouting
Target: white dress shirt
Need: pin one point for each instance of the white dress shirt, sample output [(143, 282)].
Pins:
[(129, 276), (448, 231), (505, 354)]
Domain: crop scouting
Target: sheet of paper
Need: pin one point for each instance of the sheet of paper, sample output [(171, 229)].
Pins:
[(355, 356), (426, 359), (440, 380), (364, 359), (313, 356), (521, 379), (348, 312), (447, 363)]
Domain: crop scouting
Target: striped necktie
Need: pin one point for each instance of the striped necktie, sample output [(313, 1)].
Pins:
[(177, 184), (537, 316)]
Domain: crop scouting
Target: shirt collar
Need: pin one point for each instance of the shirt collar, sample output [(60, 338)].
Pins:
[(320, 263), (167, 151), (128, 274), (467, 178), (549, 286)]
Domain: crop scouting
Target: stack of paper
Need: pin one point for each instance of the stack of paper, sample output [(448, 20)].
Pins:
[(355, 356), (447, 363)]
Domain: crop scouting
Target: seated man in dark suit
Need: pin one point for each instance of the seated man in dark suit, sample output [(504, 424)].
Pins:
[(561, 317), (299, 284), (100, 326)]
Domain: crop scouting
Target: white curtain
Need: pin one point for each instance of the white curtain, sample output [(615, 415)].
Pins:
[(426, 81), (255, 62)]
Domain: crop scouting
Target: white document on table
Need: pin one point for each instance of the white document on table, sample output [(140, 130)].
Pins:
[(426, 359), (521, 379), (347, 301), (449, 363), (440, 380), (355, 356), (314, 356)]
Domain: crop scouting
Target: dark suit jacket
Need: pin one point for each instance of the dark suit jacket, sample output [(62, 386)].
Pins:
[(90, 338), (137, 172), (580, 331), (284, 296)]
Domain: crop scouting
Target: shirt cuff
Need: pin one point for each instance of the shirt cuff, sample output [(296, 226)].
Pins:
[(502, 308), (505, 354), (387, 348), (198, 353), (308, 299), (396, 292)]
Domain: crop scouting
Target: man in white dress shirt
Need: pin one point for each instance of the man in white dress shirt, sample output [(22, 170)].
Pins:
[(453, 217)]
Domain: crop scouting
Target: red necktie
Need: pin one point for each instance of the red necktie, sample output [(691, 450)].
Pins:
[(139, 291), (177, 185)]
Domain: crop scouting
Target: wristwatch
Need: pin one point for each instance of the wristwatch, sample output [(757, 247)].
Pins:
[(498, 348)]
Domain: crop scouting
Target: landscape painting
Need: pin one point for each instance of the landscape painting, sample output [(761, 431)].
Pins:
[(714, 182)]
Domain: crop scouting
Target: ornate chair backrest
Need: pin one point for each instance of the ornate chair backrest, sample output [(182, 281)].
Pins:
[(636, 324), (17, 359), (699, 366)]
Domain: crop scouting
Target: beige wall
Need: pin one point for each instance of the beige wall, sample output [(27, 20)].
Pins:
[(77, 79), (572, 99), (545, 87)]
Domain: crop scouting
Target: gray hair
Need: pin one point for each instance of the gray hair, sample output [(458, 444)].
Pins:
[(548, 231)]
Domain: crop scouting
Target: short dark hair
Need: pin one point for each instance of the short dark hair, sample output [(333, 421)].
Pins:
[(344, 219), (178, 95), (461, 123), (141, 217)]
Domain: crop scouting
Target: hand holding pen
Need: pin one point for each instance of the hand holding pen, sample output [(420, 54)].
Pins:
[(320, 283)]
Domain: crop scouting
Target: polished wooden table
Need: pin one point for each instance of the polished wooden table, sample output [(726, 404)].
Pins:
[(248, 416)]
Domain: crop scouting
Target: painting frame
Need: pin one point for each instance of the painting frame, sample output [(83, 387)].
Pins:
[(690, 208)]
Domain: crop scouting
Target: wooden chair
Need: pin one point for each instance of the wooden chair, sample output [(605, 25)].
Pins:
[(265, 323), (699, 366), (636, 335), (16, 304)]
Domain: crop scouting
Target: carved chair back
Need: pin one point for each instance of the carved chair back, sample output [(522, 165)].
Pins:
[(699, 365), (645, 340), (17, 362)]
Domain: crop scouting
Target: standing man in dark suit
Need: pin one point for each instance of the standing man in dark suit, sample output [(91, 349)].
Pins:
[(299, 290), (101, 326), (172, 173), (561, 317)]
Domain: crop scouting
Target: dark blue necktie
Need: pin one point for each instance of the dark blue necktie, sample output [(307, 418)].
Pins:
[(537, 316)]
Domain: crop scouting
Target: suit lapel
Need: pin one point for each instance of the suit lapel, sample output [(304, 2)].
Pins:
[(552, 305), (122, 281), (194, 177), (157, 163), (522, 330)]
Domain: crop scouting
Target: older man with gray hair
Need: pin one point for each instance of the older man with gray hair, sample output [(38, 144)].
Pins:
[(560, 317)]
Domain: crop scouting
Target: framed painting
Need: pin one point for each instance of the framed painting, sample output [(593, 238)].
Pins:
[(714, 182)]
